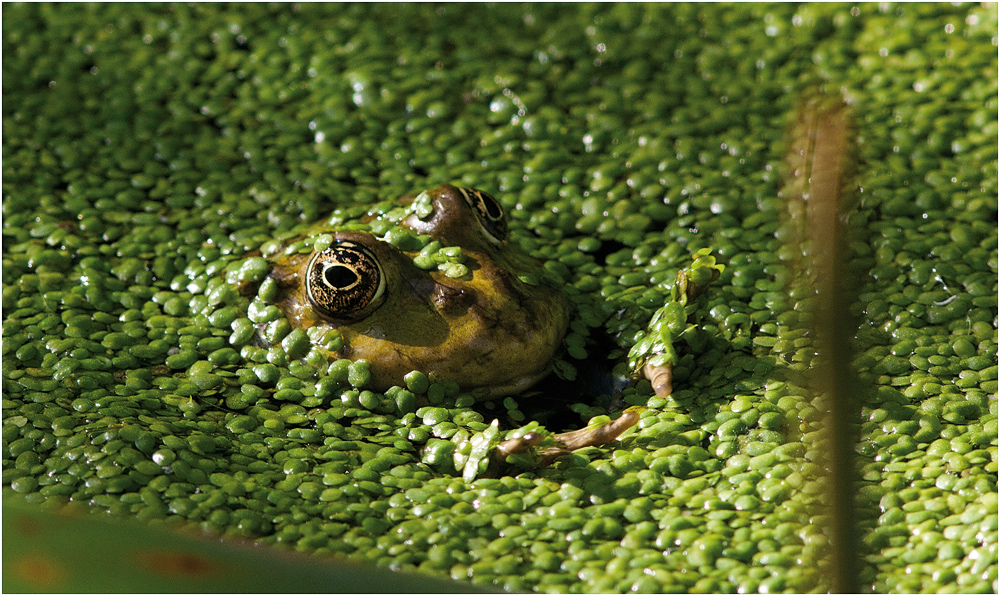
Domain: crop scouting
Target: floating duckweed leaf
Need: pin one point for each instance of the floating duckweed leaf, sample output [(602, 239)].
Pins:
[(423, 206), (322, 242), (482, 443)]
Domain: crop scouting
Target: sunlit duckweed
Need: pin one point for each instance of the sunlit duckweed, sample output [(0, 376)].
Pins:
[(150, 151)]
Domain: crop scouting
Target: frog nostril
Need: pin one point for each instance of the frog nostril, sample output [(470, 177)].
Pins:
[(451, 301)]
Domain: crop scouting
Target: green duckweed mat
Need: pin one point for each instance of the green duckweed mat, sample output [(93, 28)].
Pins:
[(146, 148)]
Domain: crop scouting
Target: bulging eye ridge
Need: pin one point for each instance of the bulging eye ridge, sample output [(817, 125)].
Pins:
[(492, 206), (343, 280), (488, 211)]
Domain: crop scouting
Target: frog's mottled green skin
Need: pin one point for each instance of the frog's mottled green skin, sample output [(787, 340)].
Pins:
[(487, 330)]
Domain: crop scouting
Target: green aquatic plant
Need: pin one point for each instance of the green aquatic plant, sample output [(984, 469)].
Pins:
[(653, 352)]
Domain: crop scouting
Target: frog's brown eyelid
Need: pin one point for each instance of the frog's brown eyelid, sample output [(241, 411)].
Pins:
[(344, 280), (488, 211)]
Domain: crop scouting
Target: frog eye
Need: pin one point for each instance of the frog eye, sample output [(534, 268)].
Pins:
[(489, 213), (344, 280)]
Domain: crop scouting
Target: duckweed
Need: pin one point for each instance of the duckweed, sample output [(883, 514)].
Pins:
[(150, 150)]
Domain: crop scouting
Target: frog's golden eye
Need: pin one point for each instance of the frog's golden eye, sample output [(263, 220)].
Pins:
[(344, 281), (489, 212)]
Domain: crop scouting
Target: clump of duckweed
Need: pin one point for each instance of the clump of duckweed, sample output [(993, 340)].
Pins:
[(149, 149)]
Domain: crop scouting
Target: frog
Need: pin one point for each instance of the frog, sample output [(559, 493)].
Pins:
[(495, 329)]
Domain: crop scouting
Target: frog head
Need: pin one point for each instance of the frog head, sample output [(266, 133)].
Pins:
[(491, 330)]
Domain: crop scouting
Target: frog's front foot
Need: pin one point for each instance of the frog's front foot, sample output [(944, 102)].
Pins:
[(566, 443)]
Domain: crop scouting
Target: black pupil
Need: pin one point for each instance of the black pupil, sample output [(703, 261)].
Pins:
[(492, 207), (339, 276)]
